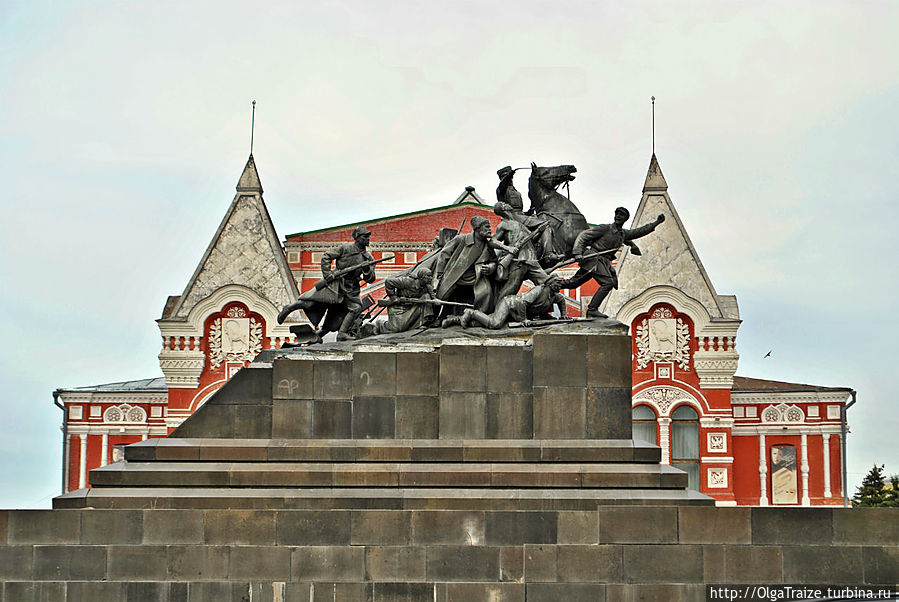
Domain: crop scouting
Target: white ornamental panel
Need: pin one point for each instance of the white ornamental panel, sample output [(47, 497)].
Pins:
[(664, 398), (234, 337), (662, 337)]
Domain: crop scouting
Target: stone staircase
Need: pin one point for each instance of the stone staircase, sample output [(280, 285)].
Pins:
[(385, 474)]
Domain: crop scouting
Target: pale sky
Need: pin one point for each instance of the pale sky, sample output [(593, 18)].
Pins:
[(125, 125)]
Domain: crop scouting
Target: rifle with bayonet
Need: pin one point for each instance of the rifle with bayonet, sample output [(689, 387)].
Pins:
[(549, 322), (335, 274), (570, 260), (412, 301)]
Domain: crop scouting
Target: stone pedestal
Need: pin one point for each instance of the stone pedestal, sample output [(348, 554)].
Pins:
[(573, 382), (459, 466)]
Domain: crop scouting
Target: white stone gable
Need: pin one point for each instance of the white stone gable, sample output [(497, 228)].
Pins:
[(669, 258), (244, 251)]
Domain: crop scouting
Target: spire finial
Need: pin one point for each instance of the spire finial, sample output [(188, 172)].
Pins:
[(252, 126), (653, 98)]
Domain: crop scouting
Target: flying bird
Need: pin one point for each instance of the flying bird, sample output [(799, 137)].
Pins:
[(767, 355)]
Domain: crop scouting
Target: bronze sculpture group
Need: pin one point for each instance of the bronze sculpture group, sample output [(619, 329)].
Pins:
[(474, 278)]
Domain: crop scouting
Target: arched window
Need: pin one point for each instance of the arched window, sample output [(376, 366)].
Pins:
[(685, 443), (645, 424)]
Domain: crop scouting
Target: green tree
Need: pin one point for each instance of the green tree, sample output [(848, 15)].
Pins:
[(875, 492), (892, 492)]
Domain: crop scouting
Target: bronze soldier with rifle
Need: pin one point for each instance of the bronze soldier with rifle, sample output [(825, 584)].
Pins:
[(336, 296)]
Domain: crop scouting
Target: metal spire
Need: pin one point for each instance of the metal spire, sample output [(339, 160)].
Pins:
[(252, 127), (653, 124)]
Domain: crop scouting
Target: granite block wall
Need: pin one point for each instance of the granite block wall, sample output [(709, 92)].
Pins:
[(560, 386), (663, 553)]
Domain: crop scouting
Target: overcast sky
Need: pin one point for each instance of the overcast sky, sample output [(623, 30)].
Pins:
[(125, 125)]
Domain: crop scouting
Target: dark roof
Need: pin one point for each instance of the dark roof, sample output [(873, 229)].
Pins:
[(454, 205), (145, 385), (744, 384)]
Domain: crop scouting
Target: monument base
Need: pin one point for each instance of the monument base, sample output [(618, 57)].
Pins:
[(460, 466)]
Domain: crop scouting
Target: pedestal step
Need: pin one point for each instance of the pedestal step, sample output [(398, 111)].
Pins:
[(386, 498), (384, 474), (393, 450)]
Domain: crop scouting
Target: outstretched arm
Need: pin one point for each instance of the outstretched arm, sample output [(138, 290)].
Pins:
[(643, 230)]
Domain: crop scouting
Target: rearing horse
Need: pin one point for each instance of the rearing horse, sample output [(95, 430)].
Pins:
[(565, 220)]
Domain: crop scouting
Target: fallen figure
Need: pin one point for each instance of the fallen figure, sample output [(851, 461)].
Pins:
[(535, 304)]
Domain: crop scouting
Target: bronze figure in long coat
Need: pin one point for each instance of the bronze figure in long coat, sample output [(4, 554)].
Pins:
[(467, 261)]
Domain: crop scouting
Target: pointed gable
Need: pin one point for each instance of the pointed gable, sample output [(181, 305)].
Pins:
[(469, 196), (669, 257), (655, 181), (245, 251), (249, 179)]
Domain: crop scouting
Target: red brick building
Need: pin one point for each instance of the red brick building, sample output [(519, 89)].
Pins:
[(742, 441)]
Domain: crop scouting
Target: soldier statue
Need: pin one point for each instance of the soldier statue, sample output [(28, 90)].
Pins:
[(514, 268), (336, 296), (463, 268), (594, 249), (410, 304), (508, 194), (534, 304)]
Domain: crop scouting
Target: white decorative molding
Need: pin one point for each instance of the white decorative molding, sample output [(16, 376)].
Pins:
[(663, 338), (777, 396), (125, 413), (68, 456), (716, 442), (763, 472), (192, 326), (662, 293), (665, 439), (783, 413), (804, 469), (716, 369), (784, 429), (182, 369), (710, 421), (717, 478), (663, 398), (82, 464), (825, 441), (70, 397), (322, 246)]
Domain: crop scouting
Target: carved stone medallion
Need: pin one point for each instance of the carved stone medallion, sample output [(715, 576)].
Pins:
[(234, 338), (663, 338)]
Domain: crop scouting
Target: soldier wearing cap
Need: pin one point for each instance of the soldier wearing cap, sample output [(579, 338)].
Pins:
[(340, 298), (508, 195), (506, 191), (605, 237)]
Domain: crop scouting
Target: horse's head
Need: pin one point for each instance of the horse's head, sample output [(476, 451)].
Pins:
[(553, 177)]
